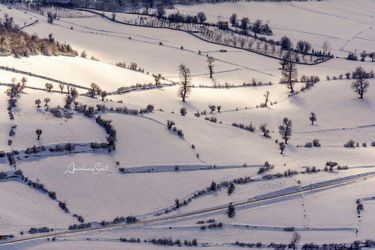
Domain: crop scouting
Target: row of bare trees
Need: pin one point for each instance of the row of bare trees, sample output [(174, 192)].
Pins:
[(185, 77)]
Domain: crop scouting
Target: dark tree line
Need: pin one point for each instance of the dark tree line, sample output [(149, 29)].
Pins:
[(257, 27), (134, 4)]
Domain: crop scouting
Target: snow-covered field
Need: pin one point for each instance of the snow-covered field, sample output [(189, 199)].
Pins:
[(177, 186), (347, 25), (75, 71)]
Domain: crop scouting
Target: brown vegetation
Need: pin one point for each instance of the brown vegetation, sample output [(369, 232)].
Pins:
[(14, 41)]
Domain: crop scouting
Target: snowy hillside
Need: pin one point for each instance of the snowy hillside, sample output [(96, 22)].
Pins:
[(155, 137)]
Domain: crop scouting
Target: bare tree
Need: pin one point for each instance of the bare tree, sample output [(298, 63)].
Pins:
[(325, 47), (183, 111), (103, 95), (201, 17), (170, 124), (285, 130), (157, 79), (210, 61), (94, 90), (49, 86), (61, 86), (363, 55), (231, 211), (282, 147), (312, 118), (69, 99), (233, 19), (250, 44), (266, 98), (23, 81), (74, 93), (289, 71), (244, 23), (242, 42), (51, 17), (15, 89), (372, 56), (160, 11), (360, 85), (83, 54), (295, 239), (185, 76), (265, 130), (212, 108), (46, 101), (38, 102), (38, 133)]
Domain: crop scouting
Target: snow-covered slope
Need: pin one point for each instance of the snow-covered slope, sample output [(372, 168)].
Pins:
[(174, 184)]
